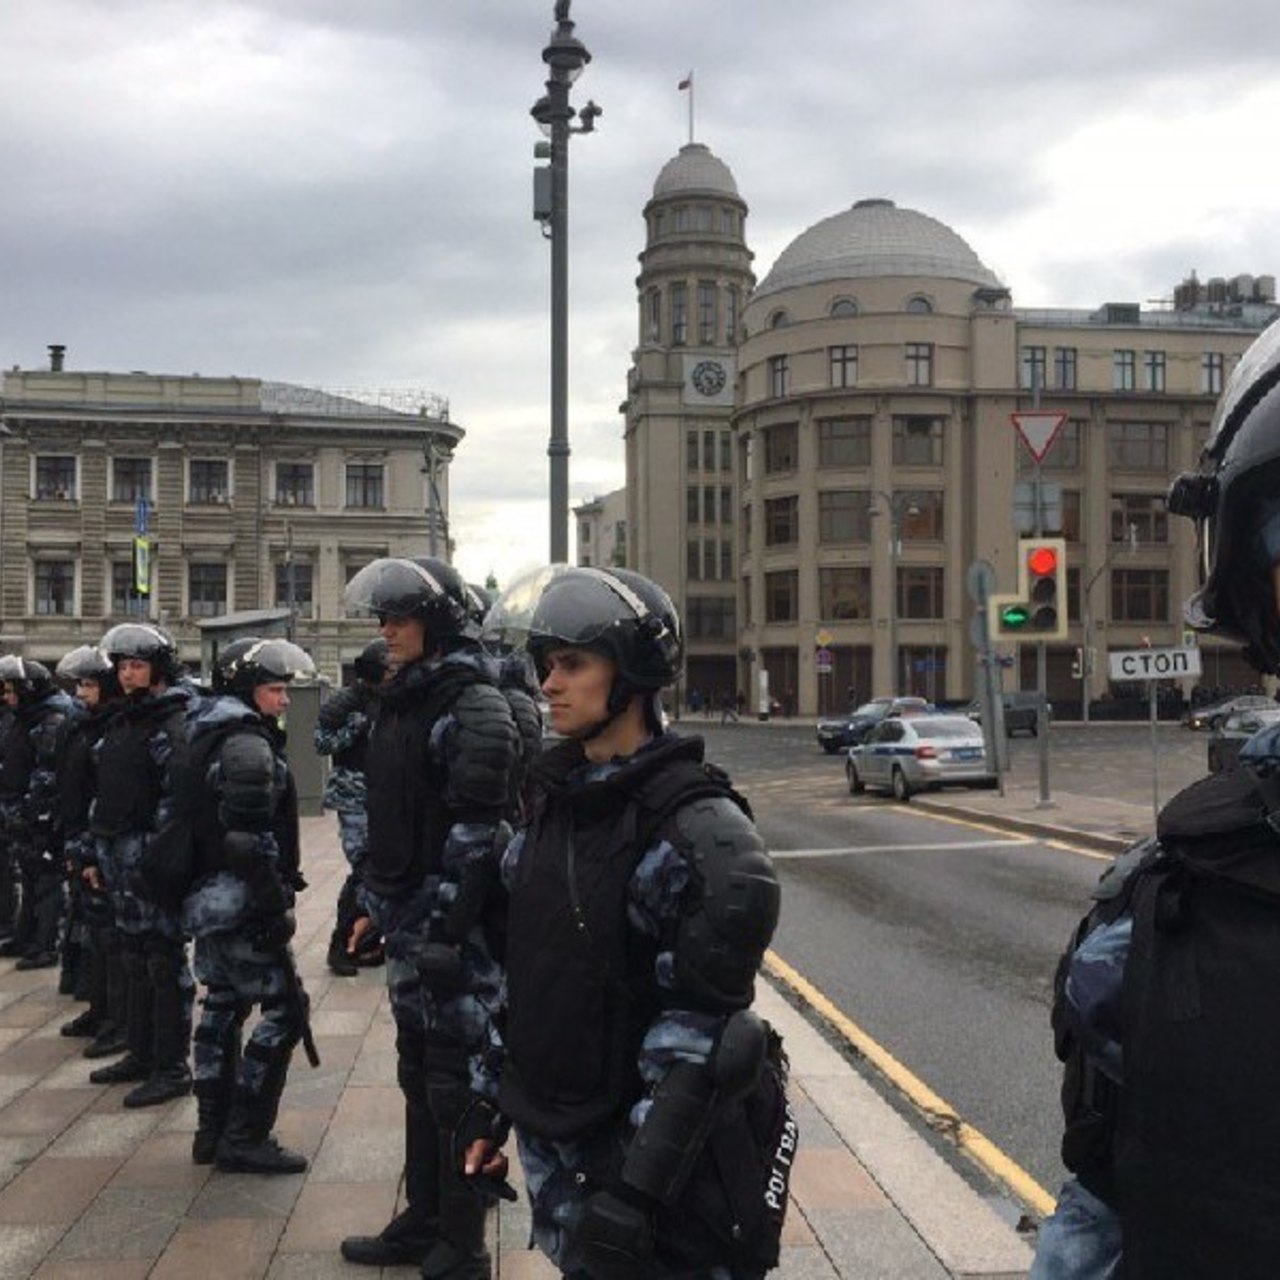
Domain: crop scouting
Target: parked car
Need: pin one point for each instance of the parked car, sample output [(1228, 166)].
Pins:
[(1019, 711), (1213, 715), (844, 730), (1233, 732), (904, 755)]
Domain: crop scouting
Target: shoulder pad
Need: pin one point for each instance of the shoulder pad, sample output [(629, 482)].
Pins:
[(714, 821), (1116, 879)]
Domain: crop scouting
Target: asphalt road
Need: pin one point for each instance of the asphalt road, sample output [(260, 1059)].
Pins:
[(938, 938)]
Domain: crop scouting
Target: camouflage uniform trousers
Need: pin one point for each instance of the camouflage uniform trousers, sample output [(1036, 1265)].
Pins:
[(237, 977)]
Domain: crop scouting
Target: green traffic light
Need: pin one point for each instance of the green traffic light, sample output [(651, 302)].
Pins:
[(1014, 616)]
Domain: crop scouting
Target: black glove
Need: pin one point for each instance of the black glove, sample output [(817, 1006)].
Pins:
[(271, 933), (615, 1236), (482, 1119)]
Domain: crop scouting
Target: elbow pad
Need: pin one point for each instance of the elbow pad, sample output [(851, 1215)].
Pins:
[(721, 940), (246, 787)]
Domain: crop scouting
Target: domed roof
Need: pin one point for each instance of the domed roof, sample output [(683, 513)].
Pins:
[(875, 238), (694, 169)]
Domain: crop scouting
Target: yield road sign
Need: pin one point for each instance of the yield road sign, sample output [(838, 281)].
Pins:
[(1154, 664), (1038, 430)]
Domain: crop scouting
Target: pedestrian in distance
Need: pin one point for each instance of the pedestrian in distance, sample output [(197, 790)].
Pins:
[(32, 816), (342, 734), (728, 708), (94, 681), (1164, 1010), (648, 1101), (133, 824), (236, 794), (438, 773)]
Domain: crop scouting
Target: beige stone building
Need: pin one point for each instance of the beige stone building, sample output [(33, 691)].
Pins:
[(602, 530), (256, 495), (874, 371)]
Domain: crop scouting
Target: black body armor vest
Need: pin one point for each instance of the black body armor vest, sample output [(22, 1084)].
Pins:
[(128, 783)]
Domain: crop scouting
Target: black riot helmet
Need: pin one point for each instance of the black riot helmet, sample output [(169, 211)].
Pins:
[(402, 588), (371, 663), (1235, 500), (251, 661), (30, 679), (146, 642), (460, 592), (88, 662), (620, 614)]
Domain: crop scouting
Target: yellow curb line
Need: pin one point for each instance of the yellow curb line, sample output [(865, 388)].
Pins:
[(1050, 842), (939, 1113)]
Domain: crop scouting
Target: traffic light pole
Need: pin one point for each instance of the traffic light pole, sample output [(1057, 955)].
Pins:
[(1042, 660)]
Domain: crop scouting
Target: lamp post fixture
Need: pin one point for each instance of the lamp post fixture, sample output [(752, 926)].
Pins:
[(565, 56), (897, 505)]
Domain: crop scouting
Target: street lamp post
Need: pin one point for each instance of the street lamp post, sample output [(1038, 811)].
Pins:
[(565, 56), (897, 505)]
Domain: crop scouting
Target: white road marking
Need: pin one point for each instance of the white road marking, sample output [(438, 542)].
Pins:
[(1010, 842)]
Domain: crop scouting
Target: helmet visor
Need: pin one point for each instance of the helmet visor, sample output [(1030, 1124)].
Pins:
[(135, 640), (273, 660), (87, 662), (395, 587), (508, 620), (582, 607)]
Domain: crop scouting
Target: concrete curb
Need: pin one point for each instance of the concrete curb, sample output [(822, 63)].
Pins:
[(1026, 826)]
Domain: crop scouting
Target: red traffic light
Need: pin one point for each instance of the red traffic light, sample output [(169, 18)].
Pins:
[(1042, 560)]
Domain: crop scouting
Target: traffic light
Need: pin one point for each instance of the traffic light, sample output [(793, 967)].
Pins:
[(1038, 610)]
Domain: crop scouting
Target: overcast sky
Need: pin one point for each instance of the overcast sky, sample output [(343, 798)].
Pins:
[(338, 192)]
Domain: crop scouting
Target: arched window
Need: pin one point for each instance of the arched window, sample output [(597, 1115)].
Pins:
[(844, 307), (779, 319), (919, 305)]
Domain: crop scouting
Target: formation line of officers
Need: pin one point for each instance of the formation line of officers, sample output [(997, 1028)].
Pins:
[(571, 927)]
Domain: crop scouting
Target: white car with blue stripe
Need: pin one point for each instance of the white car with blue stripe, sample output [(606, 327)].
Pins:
[(918, 753)]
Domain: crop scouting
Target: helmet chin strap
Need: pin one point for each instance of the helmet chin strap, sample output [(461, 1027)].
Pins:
[(620, 695)]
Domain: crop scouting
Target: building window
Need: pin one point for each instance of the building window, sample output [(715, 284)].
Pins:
[(744, 528), (726, 504), (679, 313), (844, 594), (917, 442), (842, 307), (1064, 453), (680, 218), (731, 314), (692, 512), (1211, 373), (1123, 366), (708, 451), (1064, 368), (844, 442), (728, 221), (55, 582), (920, 364), (779, 320), (693, 560), (295, 484), (726, 451), (922, 518), (364, 485), (130, 479), (919, 306), (782, 596), (780, 445), (710, 618), (653, 316), (207, 481), (1144, 512), (1033, 368), (302, 592), (706, 312), (702, 217), (1139, 595), (844, 515), (726, 559), (124, 596), (1153, 370), (55, 478), (744, 594), (206, 590), (691, 451), (844, 366), (1072, 524), (1138, 446), (781, 521), (659, 222), (779, 367), (708, 504), (920, 592)]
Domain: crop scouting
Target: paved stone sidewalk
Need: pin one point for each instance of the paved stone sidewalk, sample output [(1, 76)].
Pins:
[(89, 1189)]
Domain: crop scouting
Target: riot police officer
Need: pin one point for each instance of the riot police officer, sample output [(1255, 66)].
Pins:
[(1164, 1010), (132, 818), (32, 814), (641, 904), (438, 768), (342, 734), (235, 792), (98, 690)]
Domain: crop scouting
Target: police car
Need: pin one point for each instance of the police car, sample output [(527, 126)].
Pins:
[(918, 753)]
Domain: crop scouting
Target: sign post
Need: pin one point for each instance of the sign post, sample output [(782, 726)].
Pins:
[(1153, 665)]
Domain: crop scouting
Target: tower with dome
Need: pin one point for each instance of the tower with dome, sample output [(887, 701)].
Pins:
[(861, 441)]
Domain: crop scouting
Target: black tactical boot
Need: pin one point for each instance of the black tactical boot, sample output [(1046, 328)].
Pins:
[(404, 1241), (211, 1111), (162, 1085), (247, 1144), (109, 1041), (37, 960), (128, 1070), (83, 1024)]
